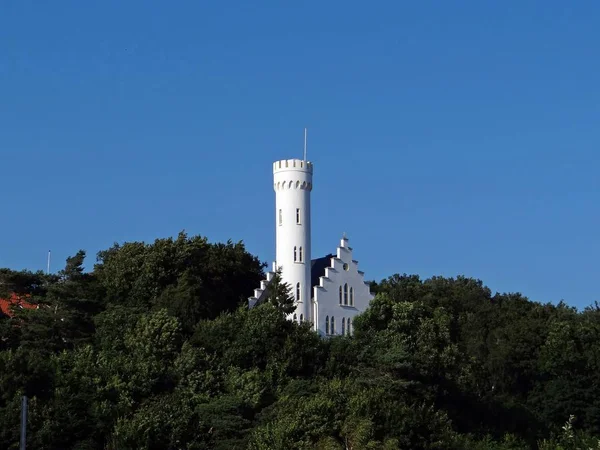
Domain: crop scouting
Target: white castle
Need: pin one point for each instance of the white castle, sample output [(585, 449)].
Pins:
[(329, 291)]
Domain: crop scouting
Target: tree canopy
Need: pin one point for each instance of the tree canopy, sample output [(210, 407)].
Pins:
[(155, 348)]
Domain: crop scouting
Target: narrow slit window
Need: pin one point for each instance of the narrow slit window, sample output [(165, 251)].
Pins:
[(343, 325), (348, 326), (351, 296), (301, 318), (346, 294), (300, 255), (298, 216), (327, 325), (297, 292), (295, 254), (340, 295), (332, 325), (295, 318), (280, 217)]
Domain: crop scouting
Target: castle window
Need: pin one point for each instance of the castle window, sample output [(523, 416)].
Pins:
[(346, 294), (351, 296), (298, 216), (300, 255), (295, 254), (301, 318), (332, 325), (280, 217), (295, 318), (327, 325), (340, 295), (297, 292), (349, 327), (343, 325)]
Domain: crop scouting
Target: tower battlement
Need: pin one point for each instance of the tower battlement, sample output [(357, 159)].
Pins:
[(292, 164)]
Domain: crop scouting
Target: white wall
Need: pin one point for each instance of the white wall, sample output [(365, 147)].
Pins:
[(326, 295), (292, 184)]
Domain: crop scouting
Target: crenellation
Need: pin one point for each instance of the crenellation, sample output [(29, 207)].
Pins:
[(298, 165)]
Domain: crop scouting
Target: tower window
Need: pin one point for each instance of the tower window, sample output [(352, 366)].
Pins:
[(343, 325), (295, 318), (332, 325), (327, 325), (298, 216), (351, 296), (300, 255), (349, 329), (297, 292), (295, 254), (346, 294), (301, 318), (340, 295), (280, 217)]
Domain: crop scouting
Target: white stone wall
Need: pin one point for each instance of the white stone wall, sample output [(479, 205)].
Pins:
[(343, 271), (293, 184)]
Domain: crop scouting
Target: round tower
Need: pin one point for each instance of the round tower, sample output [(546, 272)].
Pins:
[(293, 184)]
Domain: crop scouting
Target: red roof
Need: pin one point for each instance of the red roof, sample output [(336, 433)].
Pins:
[(14, 300)]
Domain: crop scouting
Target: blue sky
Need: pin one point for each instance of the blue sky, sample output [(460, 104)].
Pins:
[(448, 137)]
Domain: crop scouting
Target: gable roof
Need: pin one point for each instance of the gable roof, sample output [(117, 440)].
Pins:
[(317, 268)]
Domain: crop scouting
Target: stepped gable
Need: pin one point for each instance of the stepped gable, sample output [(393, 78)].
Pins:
[(340, 264), (261, 292)]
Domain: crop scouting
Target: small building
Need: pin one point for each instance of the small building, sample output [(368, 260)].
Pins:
[(328, 291), (14, 301)]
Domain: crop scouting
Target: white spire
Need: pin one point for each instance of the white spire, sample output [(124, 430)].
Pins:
[(304, 143)]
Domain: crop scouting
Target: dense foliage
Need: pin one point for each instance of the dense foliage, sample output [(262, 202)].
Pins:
[(154, 349)]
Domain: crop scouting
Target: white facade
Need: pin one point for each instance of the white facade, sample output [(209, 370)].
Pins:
[(293, 184), (329, 291), (341, 294)]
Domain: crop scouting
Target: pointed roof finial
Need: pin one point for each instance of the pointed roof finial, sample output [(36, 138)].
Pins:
[(344, 235), (304, 143)]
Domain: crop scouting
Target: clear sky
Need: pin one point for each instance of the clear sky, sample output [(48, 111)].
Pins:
[(448, 137)]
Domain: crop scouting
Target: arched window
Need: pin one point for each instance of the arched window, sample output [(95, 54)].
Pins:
[(332, 325), (346, 294), (351, 296), (343, 325), (295, 254), (295, 318), (327, 325), (340, 295), (349, 326), (280, 217), (300, 255), (301, 318), (297, 292)]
